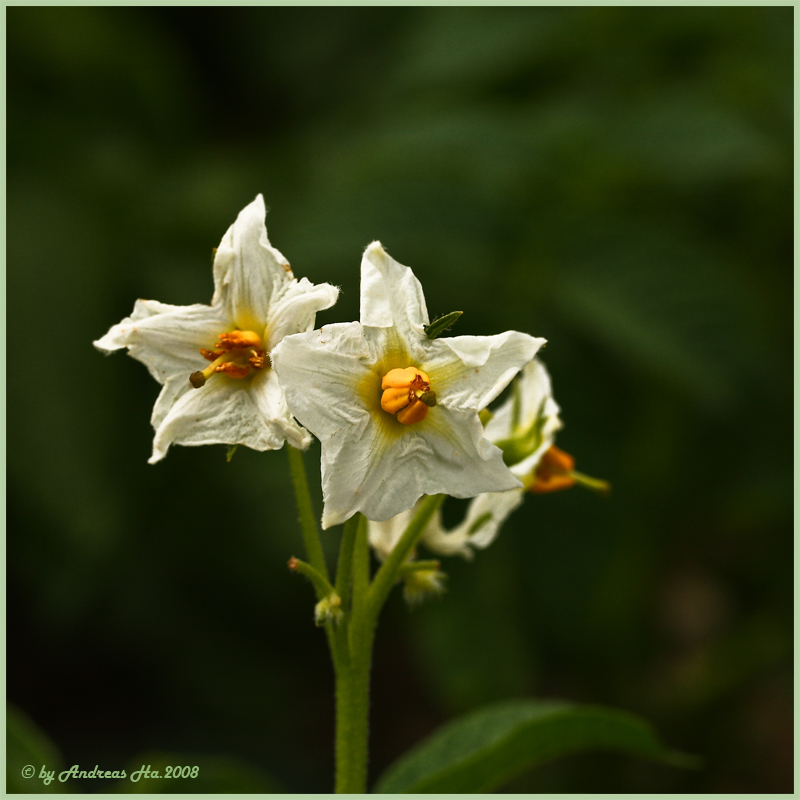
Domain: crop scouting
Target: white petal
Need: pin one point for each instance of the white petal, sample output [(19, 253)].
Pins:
[(490, 510), (321, 372), (390, 294), (534, 391), (294, 309), (368, 468), (470, 371), (465, 462), (247, 270), (225, 411), (533, 388), (271, 403), (165, 338), (383, 536)]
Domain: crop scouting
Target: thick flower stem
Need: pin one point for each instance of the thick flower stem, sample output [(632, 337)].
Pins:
[(352, 675), (352, 679), (305, 510), (352, 714)]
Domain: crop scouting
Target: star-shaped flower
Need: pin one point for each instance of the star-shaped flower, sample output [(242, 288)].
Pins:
[(219, 387), (397, 412)]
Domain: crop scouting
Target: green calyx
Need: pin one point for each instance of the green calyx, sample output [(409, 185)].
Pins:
[(524, 441)]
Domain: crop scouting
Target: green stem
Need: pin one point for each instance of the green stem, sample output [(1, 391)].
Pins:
[(595, 484), (417, 566), (352, 679), (360, 566), (344, 573), (352, 661), (308, 527), (388, 573), (321, 583), (305, 510)]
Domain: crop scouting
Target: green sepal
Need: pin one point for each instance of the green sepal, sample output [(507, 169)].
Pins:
[(440, 325), (231, 450)]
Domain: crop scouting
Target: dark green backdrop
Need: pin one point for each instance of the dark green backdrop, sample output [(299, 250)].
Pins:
[(616, 180)]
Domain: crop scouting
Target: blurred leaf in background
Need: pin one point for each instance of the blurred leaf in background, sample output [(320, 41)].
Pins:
[(618, 180)]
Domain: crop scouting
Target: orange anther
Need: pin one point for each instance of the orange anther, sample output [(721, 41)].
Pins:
[(414, 412), (234, 370), (237, 339), (402, 390), (404, 378), (392, 400)]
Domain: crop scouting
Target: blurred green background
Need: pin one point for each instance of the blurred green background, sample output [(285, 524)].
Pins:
[(617, 180)]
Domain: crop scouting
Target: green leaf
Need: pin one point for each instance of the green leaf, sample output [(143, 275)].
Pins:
[(440, 325), (483, 750), (27, 746)]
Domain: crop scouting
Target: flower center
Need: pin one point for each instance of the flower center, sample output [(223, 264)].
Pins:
[(235, 354), (407, 393)]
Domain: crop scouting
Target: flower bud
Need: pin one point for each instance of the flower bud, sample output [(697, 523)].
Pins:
[(329, 609), (422, 584)]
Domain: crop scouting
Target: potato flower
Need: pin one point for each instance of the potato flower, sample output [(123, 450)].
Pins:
[(395, 411), (235, 398), (524, 427)]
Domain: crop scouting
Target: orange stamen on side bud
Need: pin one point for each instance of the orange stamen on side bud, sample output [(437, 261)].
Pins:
[(557, 471), (407, 393), (553, 472), (236, 354)]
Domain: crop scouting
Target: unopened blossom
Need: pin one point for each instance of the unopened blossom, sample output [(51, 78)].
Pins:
[(213, 360), (395, 411)]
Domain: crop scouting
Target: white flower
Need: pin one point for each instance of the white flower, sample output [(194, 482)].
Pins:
[(524, 427), (485, 515), (396, 412), (236, 399)]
